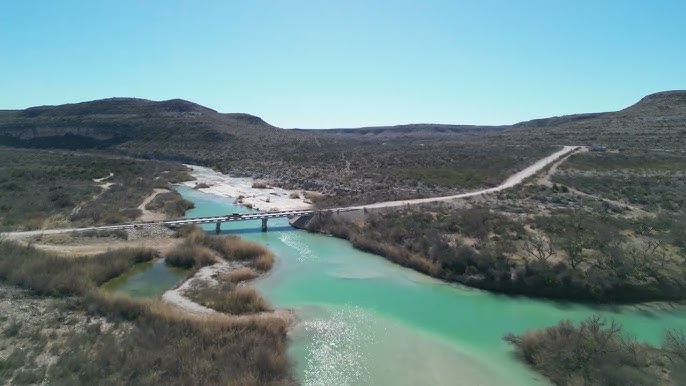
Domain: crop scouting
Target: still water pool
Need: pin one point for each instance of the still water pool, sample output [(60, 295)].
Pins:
[(147, 280)]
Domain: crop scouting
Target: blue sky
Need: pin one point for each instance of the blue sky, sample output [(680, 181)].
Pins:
[(320, 64)]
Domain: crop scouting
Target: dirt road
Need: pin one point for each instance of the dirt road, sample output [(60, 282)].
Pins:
[(510, 182)]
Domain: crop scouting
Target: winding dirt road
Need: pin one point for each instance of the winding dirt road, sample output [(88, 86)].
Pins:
[(510, 182)]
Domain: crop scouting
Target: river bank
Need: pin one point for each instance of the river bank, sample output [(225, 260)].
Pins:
[(356, 312), (252, 194)]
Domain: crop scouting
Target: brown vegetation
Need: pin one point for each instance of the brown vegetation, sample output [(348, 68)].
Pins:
[(599, 353), (240, 275), (143, 341), (227, 297), (231, 247), (53, 275), (188, 255), (259, 185), (172, 203)]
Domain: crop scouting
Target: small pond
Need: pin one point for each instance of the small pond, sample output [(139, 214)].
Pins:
[(147, 280)]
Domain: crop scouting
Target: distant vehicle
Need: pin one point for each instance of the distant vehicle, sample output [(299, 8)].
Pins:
[(234, 214)]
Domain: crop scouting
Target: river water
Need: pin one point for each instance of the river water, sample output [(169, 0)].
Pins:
[(366, 321)]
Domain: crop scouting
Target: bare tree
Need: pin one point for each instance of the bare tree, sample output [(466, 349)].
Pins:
[(573, 245), (675, 344), (538, 246), (649, 261)]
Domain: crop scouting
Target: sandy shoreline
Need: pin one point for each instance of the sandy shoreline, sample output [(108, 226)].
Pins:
[(268, 199), (177, 297)]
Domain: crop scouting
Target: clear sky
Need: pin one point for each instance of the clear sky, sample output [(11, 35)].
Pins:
[(347, 63)]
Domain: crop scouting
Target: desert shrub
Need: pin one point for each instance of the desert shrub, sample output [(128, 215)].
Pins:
[(173, 204), (12, 329), (102, 233), (663, 192), (177, 208), (131, 213), (674, 348), (594, 353), (259, 185)]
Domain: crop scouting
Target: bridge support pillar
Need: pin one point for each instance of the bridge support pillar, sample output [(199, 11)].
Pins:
[(219, 228), (264, 225)]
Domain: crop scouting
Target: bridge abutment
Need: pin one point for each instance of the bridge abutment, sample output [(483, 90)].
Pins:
[(219, 228), (264, 225)]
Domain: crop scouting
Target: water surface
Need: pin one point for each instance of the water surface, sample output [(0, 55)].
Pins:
[(366, 321), (147, 280)]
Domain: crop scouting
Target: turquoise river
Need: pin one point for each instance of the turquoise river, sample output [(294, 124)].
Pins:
[(365, 321)]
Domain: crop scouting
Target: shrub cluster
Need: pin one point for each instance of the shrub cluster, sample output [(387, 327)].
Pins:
[(230, 247), (592, 263), (597, 352), (173, 204)]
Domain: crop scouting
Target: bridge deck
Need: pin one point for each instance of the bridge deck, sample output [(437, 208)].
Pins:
[(235, 217)]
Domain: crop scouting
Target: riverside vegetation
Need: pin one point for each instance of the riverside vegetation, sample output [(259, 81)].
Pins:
[(559, 236), (569, 256), (598, 352), (199, 250), (119, 340), (616, 242)]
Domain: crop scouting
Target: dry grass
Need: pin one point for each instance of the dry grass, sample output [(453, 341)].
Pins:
[(231, 248), (229, 299), (263, 262), (160, 345), (168, 347), (240, 275), (54, 275), (188, 255)]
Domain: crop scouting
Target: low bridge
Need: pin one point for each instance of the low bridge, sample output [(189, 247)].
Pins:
[(264, 216)]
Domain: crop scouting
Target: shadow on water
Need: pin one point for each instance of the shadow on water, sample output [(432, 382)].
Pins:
[(257, 229)]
